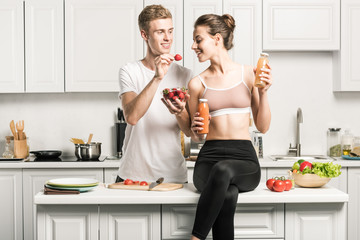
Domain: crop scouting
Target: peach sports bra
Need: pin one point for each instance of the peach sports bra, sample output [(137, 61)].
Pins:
[(232, 100)]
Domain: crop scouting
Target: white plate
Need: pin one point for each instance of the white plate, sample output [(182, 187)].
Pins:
[(73, 182)]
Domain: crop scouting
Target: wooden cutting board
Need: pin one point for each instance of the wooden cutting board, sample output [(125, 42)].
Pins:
[(160, 187)]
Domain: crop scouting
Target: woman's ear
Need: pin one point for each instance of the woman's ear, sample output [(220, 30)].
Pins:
[(218, 38)]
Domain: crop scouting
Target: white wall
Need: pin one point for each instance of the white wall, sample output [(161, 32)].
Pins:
[(52, 119), (301, 79)]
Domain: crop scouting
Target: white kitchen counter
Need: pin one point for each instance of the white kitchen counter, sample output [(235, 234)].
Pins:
[(264, 162), (189, 195)]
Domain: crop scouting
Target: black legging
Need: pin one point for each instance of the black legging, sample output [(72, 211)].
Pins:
[(223, 169)]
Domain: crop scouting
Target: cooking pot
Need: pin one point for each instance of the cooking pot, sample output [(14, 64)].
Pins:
[(86, 151), (47, 154)]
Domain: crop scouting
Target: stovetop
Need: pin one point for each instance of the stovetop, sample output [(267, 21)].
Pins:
[(62, 159)]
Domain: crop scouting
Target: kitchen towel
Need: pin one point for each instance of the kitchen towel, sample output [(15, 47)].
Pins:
[(49, 191)]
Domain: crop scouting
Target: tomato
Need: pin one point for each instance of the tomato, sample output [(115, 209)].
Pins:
[(136, 182), (143, 183), (304, 165), (288, 184), (270, 183), (279, 186), (128, 182)]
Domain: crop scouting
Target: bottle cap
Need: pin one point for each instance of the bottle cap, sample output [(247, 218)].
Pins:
[(334, 129), (203, 100), (264, 54)]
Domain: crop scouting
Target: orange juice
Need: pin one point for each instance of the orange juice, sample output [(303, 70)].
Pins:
[(203, 109), (263, 60)]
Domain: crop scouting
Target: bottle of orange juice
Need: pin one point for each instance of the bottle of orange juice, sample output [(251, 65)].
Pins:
[(203, 109), (263, 60)]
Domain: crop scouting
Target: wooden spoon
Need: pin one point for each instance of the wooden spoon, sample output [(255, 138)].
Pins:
[(89, 139), (12, 127)]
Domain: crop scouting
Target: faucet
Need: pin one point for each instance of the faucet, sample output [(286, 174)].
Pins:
[(297, 148)]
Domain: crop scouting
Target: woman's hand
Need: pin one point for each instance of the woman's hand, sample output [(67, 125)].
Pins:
[(177, 107), (197, 124), (266, 77)]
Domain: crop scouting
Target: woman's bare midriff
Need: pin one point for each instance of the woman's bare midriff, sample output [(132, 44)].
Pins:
[(229, 126)]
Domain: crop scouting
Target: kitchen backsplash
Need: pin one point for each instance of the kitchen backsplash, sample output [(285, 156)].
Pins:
[(301, 79)]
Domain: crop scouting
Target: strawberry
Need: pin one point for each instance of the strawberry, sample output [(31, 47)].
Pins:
[(178, 57), (181, 96), (171, 95), (166, 91), (178, 92), (175, 97)]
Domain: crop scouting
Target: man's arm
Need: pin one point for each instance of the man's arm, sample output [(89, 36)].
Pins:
[(136, 105)]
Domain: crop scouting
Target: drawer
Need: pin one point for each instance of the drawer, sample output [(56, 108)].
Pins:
[(251, 221)]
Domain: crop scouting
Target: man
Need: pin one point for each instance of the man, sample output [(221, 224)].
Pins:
[(152, 139)]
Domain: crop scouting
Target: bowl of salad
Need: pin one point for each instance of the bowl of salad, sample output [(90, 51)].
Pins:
[(315, 174)]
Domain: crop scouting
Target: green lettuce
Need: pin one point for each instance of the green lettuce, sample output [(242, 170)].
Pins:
[(328, 169)]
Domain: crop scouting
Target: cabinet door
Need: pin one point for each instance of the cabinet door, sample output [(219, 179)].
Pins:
[(33, 182), (110, 174), (176, 9), (11, 204), (251, 221), (44, 41), (194, 9), (100, 37), (347, 61), (301, 24), (314, 221), (140, 222), (248, 30), (11, 46), (64, 222), (354, 203)]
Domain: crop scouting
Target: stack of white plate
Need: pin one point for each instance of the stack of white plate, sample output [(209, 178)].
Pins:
[(79, 184)]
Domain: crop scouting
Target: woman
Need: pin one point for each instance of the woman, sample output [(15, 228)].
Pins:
[(227, 163)]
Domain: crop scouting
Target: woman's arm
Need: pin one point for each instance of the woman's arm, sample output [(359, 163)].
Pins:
[(195, 89), (259, 102)]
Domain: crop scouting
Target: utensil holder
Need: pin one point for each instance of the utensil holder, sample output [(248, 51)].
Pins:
[(21, 148)]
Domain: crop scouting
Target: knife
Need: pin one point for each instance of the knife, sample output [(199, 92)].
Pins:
[(154, 184)]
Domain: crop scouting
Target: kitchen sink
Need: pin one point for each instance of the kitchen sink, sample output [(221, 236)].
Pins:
[(318, 158)]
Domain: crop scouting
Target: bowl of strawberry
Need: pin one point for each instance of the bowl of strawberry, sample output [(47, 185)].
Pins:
[(314, 174), (174, 93)]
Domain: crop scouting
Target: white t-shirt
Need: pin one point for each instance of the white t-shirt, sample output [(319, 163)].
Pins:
[(152, 147)]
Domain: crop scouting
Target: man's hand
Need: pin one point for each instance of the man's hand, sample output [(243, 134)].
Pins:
[(162, 64), (177, 107)]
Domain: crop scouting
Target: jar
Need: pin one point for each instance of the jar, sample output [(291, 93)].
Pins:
[(203, 109), (263, 60), (334, 142), (356, 142), (9, 147), (346, 142)]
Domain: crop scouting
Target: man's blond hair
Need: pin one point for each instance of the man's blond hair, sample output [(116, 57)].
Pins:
[(150, 13)]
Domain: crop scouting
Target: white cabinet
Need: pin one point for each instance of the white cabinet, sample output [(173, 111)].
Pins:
[(41, 32), (11, 46), (194, 9), (248, 31), (140, 222), (33, 182), (315, 221), (11, 226), (301, 25), (100, 37), (68, 222), (44, 45), (251, 221), (354, 203), (347, 62)]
